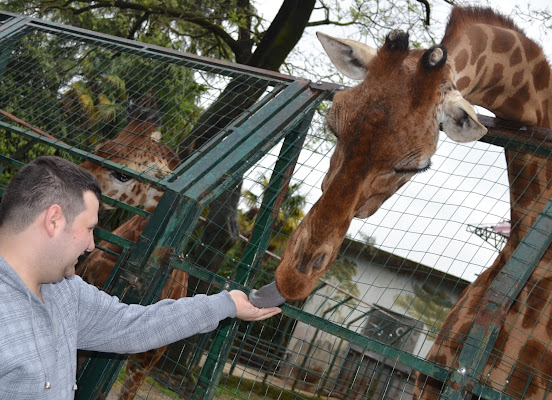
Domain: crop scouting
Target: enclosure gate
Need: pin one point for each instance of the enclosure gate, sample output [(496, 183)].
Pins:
[(278, 109)]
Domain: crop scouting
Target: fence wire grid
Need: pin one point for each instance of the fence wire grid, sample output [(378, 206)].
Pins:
[(242, 152)]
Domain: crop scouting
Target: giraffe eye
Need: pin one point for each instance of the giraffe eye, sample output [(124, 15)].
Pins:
[(120, 176)]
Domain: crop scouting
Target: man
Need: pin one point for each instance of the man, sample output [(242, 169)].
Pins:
[(47, 217)]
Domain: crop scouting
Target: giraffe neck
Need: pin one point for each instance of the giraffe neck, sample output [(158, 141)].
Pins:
[(499, 68), (494, 65)]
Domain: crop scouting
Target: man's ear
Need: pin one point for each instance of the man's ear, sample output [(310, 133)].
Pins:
[(54, 219)]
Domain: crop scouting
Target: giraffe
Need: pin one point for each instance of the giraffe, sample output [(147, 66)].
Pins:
[(138, 148), (387, 130)]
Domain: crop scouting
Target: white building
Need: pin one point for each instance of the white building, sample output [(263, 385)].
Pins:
[(387, 309)]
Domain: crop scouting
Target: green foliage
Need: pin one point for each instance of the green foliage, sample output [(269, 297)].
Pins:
[(233, 387), (205, 27), (342, 274), (428, 305), (80, 93)]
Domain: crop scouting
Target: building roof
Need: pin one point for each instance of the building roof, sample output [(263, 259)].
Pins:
[(353, 250)]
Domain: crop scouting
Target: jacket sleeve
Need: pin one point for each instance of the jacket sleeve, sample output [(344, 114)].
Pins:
[(106, 324)]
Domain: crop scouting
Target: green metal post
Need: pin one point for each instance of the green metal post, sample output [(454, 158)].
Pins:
[(496, 303), (222, 342), (99, 373), (274, 197)]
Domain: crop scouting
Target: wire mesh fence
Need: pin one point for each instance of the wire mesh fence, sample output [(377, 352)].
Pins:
[(206, 169)]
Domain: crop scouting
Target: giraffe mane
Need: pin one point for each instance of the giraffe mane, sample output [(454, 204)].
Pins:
[(462, 17)]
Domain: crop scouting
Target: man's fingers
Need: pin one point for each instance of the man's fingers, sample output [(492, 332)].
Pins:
[(264, 313)]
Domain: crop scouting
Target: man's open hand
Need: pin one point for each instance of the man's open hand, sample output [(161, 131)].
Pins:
[(247, 311)]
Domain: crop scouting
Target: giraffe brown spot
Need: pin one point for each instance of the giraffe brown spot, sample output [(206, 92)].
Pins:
[(545, 121), (541, 75), (464, 327), (431, 383), (516, 103), (478, 42), (532, 50), (516, 307), (111, 193), (503, 41), (491, 94), (547, 177), (492, 274), (517, 78), (516, 58), (498, 348), (123, 197), (549, 326), (534, 360), (496, 75), (461, 60), (480, 64), (463, 83), (536, 300), (441, 359), (527, 187), (481, 83)]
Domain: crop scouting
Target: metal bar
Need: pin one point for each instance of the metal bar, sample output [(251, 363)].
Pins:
[(223, 134), (262, 135), (13, 27), (263, 129), (514, 135), (495, 305), (274, 193), (244, 141), (420, 364), (175, 56), (75, 151)]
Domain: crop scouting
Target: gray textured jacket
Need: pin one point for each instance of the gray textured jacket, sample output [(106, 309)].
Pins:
[(39, 341)]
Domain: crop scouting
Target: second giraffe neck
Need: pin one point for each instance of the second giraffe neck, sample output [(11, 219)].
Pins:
[(503, 71)]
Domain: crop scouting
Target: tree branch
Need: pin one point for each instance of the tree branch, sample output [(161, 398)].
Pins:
[(136, 26), (428, 11), (197, 19)]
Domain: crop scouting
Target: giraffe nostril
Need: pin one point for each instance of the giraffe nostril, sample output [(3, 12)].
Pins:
[(302, 268)]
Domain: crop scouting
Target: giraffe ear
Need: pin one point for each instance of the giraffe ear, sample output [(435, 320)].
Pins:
[(349, 56), (459, 120)]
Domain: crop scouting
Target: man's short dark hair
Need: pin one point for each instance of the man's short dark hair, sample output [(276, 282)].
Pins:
[(41, 183)]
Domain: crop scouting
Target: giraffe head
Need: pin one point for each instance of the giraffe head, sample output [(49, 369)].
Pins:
[(387, 131), (136, 147)]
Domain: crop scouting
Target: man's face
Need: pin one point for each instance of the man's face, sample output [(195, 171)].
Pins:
[(77, 237)]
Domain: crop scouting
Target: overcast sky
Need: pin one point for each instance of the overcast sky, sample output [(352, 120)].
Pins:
[(427, 219)]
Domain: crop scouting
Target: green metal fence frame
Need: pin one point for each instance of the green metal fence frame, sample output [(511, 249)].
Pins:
[(219, 163)]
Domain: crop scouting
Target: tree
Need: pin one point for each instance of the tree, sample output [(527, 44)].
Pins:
[(428, 305)]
